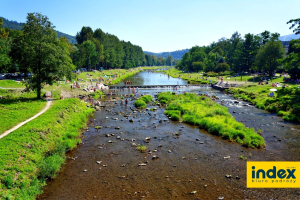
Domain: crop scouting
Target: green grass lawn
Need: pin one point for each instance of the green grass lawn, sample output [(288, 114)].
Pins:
[(11, 84), (15, 112), (36, 151), (202, 111)]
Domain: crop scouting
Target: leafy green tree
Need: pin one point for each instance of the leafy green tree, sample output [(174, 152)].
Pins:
[(268, 56), (169, 60), (295, 23), (38, 50), (265, 36), (249, 48), (85, 34), (233, 48), (91, 55), (210, 62), (5, 60), (292, 61), (197, 66), (221, 67)]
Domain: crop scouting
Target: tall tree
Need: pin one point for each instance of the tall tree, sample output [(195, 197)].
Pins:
[(38, 50), (292, 61), (265, 36), (268, 56), (85, 34), (90, 54)]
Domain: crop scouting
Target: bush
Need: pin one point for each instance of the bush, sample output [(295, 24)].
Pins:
[(211, 74), (221, 67), (140, 103)]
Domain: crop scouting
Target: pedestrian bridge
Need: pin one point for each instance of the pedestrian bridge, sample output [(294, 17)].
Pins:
[(158, 86)]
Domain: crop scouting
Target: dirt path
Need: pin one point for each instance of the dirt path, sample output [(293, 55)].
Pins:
[(28, 120)]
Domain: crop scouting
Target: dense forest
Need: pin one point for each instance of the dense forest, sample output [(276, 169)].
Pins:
[(90, 49), (263, 52)]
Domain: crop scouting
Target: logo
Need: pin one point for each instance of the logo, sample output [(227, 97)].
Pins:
[(273, 174)]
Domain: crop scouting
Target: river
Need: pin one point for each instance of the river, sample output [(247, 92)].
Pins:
[(184, 163)]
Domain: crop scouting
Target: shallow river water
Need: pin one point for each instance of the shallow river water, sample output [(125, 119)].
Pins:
[(184, 164)]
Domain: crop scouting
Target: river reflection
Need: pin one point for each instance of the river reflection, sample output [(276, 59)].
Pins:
[(152, 78)]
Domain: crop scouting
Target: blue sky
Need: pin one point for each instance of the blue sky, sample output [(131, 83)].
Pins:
[(161, 25)]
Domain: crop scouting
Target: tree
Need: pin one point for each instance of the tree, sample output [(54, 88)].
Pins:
[(295, 22), (268, 56), (221, 67), (85, 34), (169, 60), (90, 54), (292, 61), (197, 66), (265, 36), (39, 51), (248, 52)]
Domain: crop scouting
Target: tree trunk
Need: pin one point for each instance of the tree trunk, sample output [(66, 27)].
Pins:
[(39, 78)]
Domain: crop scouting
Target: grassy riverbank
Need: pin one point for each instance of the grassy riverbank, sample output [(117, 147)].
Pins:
[(202, 111), (190, 77), (198, 78), (36, 151), (15, 109), (285, 103)]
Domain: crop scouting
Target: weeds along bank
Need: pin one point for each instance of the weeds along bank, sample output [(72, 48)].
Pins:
[(36, 151), (285, 103), (203, 112)]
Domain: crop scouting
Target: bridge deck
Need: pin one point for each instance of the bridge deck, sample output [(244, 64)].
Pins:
[(155, 86)]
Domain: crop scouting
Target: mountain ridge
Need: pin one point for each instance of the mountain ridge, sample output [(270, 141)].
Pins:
[(175, 54), (18, 26)]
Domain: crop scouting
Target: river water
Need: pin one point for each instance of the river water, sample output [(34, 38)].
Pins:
[(184, 164)]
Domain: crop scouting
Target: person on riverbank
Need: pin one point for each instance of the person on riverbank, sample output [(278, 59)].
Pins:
[(126, 102)]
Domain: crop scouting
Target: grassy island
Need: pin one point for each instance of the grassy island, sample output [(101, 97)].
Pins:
[(202, 111)]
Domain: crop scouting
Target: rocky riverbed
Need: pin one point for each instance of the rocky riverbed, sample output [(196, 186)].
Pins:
[(180, 161)]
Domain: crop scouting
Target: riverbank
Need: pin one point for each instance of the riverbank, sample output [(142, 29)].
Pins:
[(203, 112), (36, 151), (285, 101)]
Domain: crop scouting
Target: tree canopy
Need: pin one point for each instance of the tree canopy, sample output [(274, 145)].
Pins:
[(39, 51)]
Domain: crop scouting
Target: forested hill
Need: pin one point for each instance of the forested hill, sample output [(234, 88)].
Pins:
[(18, 26), (175, 54)]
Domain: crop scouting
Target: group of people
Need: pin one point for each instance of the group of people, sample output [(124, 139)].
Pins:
[(127, 82)]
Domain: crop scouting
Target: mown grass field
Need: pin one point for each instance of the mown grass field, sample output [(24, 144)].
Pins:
[(14, 111), (36, 151), (203, 112), (11, 84)]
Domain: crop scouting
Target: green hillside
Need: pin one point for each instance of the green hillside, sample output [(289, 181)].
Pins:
[(18, 26)]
